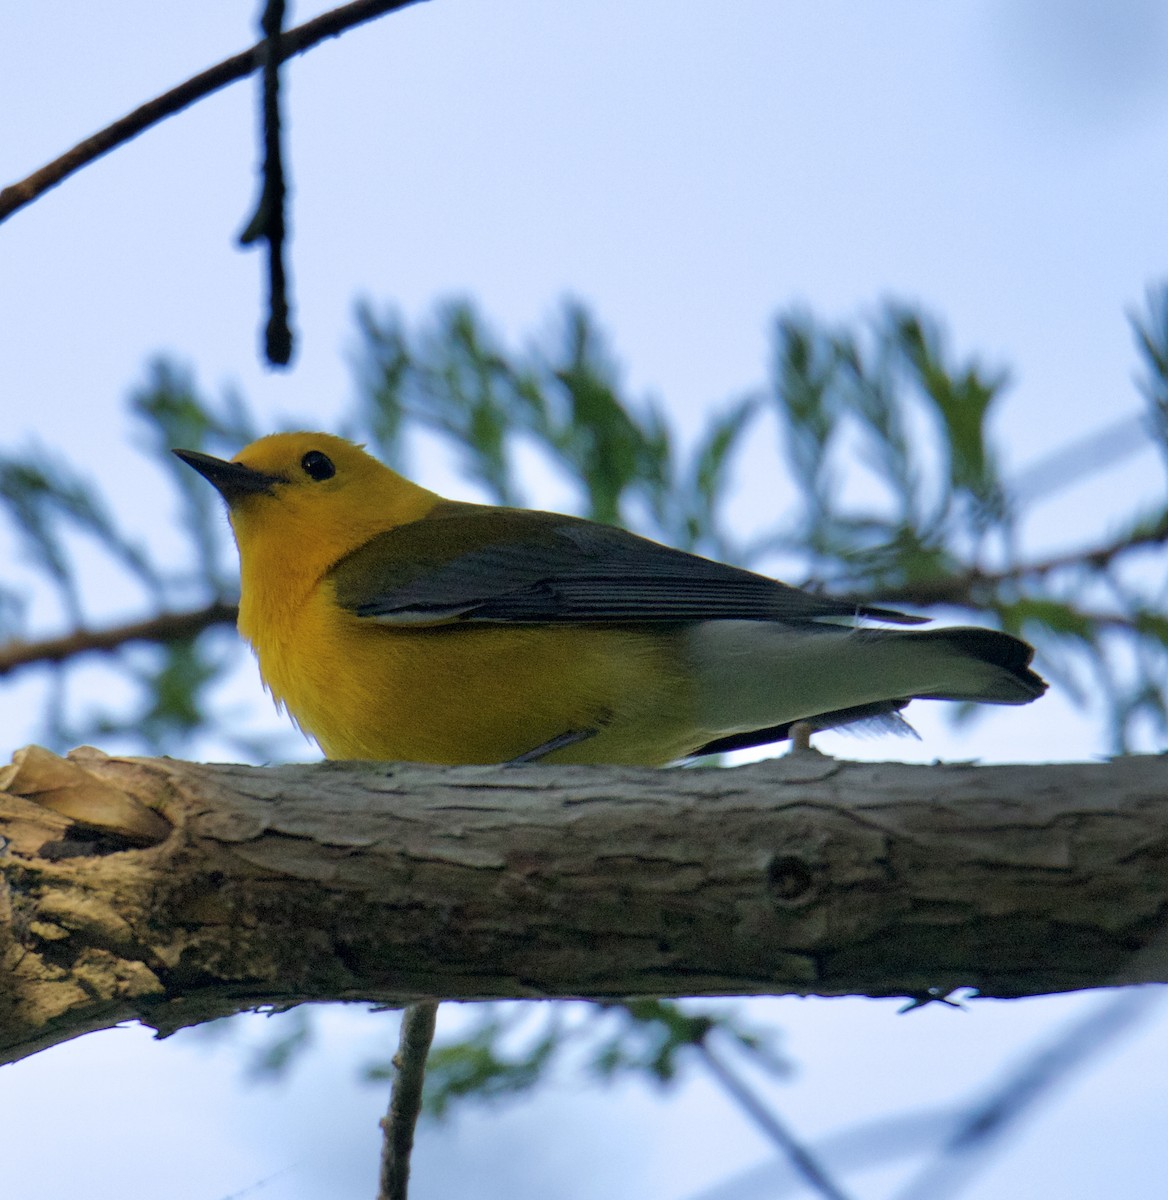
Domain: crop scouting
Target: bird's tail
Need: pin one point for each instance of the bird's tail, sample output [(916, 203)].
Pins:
[(756, 678), (1009, 679)]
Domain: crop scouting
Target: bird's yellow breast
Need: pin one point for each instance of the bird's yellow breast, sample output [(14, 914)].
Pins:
[(711, 656), (473, 693)]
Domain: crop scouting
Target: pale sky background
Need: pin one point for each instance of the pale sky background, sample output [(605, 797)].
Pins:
[(688, 169)]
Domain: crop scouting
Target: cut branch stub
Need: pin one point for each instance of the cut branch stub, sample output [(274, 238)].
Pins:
[(64, 786), (396, 882)]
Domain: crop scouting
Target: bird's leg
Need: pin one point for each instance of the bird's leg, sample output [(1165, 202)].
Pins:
[(801, 732), (568, 738)]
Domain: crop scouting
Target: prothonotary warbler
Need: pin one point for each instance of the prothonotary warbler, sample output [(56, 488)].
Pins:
[(394, 624)]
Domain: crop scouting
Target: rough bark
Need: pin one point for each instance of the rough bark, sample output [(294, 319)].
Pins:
[(174, 892)]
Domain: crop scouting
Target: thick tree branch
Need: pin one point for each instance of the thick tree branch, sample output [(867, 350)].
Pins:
[(396, 883), (294, 41)]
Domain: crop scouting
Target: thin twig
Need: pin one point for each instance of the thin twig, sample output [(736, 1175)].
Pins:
[(231, 70), (1097, 451), (268, 221), (990, 1119), (405, 1100), (166, 627), (1103, 555), (801, 1158), (963, 589)]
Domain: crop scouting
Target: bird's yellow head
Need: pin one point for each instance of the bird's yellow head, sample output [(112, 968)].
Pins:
[(301, 501)]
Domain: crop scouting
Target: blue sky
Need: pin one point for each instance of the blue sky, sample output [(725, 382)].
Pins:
[(688, 170)]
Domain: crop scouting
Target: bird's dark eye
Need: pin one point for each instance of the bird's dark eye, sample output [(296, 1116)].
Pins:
[(318, 466)]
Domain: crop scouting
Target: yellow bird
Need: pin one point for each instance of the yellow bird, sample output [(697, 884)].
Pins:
[(394, 624)]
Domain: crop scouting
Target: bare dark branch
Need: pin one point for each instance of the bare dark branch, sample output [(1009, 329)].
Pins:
[(231, 70), (974, 588), (166, 627)]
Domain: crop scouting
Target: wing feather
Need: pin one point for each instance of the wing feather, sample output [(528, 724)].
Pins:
[(478, 563)]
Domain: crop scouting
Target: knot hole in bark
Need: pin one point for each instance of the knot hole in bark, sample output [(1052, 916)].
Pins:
[(790, 879)]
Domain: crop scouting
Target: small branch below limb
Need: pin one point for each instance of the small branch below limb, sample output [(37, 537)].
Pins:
[(405, 1101)]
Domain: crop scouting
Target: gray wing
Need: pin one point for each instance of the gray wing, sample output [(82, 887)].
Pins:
[(480, 563)]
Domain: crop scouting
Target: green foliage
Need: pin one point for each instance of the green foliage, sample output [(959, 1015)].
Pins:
[(45, 499), (170, 682), (885, 401), (172, 414), (1151, 332), (846, 396), (454, 379), (653, 1036), (277, 1054), (510, 1048)]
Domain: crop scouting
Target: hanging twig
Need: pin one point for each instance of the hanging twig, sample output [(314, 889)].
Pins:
[(268, 221), (987, 1121), (294, 41)]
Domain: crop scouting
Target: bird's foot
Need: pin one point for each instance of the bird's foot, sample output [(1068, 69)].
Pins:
[(568, 738)]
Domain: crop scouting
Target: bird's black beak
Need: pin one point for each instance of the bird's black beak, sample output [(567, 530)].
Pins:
[(233, 480)]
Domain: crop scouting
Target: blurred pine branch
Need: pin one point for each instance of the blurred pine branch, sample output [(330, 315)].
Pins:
[(937, 524), (886, 400)]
